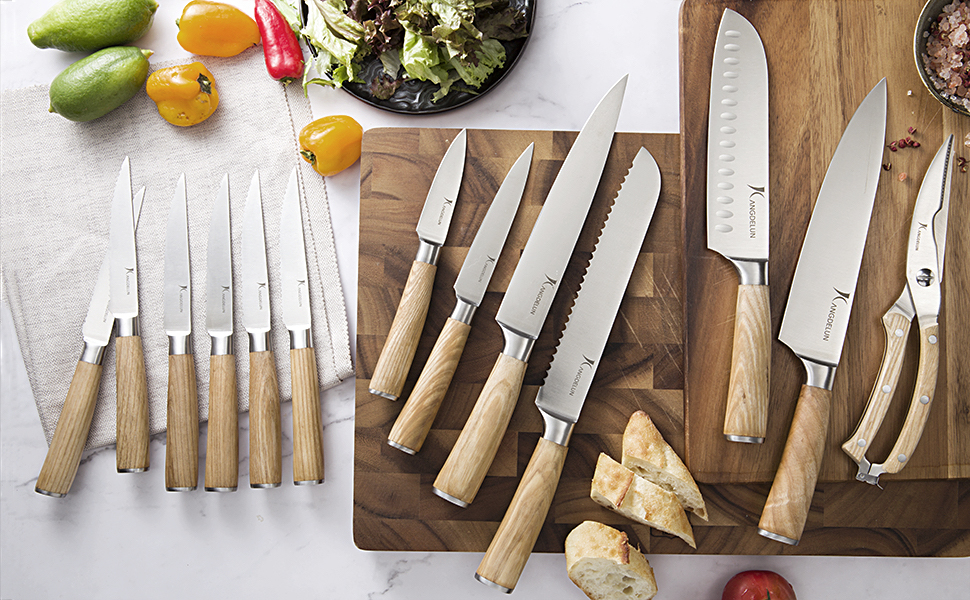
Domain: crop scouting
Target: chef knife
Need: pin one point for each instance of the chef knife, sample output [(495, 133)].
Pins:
[(265, 436), (182, 419), (402, 339), (817, 315), (414, 422), (528, 299), (74, 423), (222, 435), (562, 395), (737, 214), (307, 424), (132, 387)]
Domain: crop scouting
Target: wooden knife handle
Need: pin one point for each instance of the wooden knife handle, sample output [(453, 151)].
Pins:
[(791, 492), (307, 420), (222, 441), (516, 536), (413, 424), (746, 417), (469, 461), (265, 434), (71, 433), (132, 415), (182, 425), (402, 340), (897, 331)]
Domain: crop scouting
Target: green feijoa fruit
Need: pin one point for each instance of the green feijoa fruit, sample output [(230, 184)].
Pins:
[(97, 84), (88, 25)]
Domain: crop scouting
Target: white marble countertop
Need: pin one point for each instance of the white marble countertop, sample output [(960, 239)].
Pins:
[(123, 536)]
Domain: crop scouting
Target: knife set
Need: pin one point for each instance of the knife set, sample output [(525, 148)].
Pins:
[(114, 306), (816, 318)]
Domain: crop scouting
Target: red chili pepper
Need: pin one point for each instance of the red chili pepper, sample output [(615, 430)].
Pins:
[(284, 57)]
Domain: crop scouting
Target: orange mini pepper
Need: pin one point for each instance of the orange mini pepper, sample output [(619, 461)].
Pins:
[(185, 94), (331, 144), (216, 29)]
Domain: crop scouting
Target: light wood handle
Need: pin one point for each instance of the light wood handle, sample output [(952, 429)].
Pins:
[(746, 416), (222, 441), (897, 331), (469, 461), (132, 405), (516, 536), (413, 424), (64, 454), (402, 340), (182, 425), (265, 434), (307, 421)]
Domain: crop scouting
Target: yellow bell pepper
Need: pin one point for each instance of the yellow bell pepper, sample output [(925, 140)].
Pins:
[(216, 29), (331, 144), (185, 94)]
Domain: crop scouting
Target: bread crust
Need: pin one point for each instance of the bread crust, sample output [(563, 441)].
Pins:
[(600, 559)]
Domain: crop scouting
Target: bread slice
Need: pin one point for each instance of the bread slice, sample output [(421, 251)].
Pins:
[(602, 563), (647, 454), (623, 491)]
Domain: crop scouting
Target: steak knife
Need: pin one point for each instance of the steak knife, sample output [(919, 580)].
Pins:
[(74, 423), (412, 425), (402, 340), (737, 214), (562, 395), (307, 423), (817, 315), (528, 299)]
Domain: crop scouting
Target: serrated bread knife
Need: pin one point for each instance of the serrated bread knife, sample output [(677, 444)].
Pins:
[(563, 393), (737, 214), (397, 354), (528, 298), (412, 425), (817, 316)]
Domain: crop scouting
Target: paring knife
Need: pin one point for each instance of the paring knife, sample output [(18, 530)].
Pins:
[(412, 425), (737, 214), (561, 397), (265, 435), (817, 315), (528, 298), (222, 436), (132, 386), (402, 339), (307, 422), (74, 423), (182, 420), (921, 297)]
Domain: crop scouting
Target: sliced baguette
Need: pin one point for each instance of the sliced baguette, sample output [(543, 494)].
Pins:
[(623, 491), (602, 563), (647, 454)]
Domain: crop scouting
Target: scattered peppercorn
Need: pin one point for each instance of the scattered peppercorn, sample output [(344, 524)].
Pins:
[(902, 176), (887, 166)]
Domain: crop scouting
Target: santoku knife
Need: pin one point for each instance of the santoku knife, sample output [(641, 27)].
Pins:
[(528, 298), (817, 315)]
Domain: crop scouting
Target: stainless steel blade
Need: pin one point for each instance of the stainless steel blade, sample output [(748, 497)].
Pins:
[(123, 279), (737, 143), (480, 261), (537, 276), (823, 288), (177, 295), (293, 270), (440, 203), (577, 356), (218, 279), (255, 275)]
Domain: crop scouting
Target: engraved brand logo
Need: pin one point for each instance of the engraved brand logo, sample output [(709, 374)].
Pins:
[(260, 290), (830, 320), (129, 276), (919, 234), (226, 297), (488, 263), (183, 292), (549, 283), (299, 293), (752, 210), (587, 363), (444, 207)]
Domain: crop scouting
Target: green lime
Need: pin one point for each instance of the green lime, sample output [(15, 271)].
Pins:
[(97, 84), (86, 25)]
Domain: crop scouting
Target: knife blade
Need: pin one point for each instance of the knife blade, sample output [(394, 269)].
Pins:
[(817, 315), (182, 417), (528, 299), (561, 397), (395, 359), (737, 214), (307, 421), (222, 435), (74, 423), (412, 425), (132, 387), (265, 435)]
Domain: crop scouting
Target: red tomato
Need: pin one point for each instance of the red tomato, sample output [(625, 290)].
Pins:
[(758, 585)]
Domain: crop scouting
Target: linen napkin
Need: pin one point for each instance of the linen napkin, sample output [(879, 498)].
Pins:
[(56, 188)]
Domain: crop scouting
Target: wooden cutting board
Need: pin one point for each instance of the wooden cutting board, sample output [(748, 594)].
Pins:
[(823, 58)]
